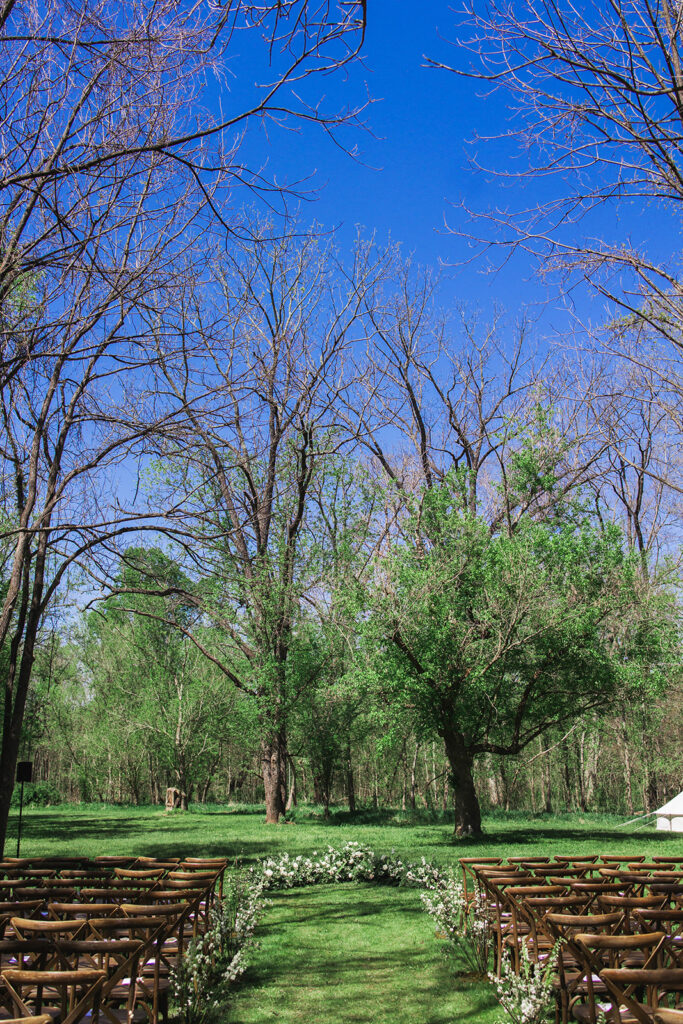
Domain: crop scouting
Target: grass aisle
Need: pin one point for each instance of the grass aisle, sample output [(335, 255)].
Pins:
[(354, 954)]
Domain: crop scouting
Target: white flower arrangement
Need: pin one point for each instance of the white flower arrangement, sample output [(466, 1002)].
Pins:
[(215, 960), (463, 923), (354, 862), (526, 995)]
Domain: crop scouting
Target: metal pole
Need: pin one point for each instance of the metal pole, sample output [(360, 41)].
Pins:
[(21, 808)]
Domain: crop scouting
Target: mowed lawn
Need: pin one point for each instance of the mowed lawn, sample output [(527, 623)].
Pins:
[(354, 954), (342, 953)]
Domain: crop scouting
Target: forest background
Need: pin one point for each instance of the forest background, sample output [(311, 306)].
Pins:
[(281, 518)]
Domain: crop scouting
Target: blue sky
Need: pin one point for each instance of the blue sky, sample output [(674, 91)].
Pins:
[(414, 165), (415, 170)]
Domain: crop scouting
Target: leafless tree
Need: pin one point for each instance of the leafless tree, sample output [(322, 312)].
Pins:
[(254, 379), (595, 95), (458, 396), (120, 150), (639, 464)]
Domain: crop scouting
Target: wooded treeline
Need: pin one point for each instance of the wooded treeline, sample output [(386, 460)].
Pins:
[(362, 528), (273, 523), (615, 766), (403, 557)]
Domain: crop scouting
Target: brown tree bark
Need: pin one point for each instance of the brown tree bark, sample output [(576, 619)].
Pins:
[(350, 786), (291, 798), (17, 682), (466, 803), (273, 763), (413, 777)]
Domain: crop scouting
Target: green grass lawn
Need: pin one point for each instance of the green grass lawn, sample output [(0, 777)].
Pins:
[(238, 832), (343, 953), (354, 954)]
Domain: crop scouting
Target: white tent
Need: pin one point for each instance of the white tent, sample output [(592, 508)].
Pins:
[(670, 816)]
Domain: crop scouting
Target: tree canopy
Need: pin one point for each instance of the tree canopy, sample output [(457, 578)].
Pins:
[(492, 635)]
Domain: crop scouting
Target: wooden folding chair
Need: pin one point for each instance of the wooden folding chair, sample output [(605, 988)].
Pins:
[(591, 889), (630, 858), (526, 859), (627, 905), (74, 994), (499, 909), (670, 921), (562, 928), (538, 907), (104, 894), (142, 874), (120, 959), (561, 871), (18, 908), (76, 911), (609, 952), (653, 986), (51, 930), (470, 884), (200, 900), (156, 862), (150, 932), (523, 927), (45, 894), (38, 954)]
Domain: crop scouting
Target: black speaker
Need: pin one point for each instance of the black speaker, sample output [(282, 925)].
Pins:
[(24, 771)]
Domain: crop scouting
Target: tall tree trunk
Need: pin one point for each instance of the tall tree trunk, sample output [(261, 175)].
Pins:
[(427, 782), (413, 776), (622, 738), (350, 787), (273, 763), (566, 766), (153, 780), (492, 783), (546, 778), (589, 752), (21, 658), (466, 804), (435, 791), (291, 798), (506, 787)]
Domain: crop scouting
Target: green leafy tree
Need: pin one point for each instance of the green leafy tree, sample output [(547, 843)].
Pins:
[(153, 692), (491, 636)]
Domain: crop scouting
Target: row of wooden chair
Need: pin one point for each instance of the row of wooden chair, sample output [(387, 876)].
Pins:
[(618, 922), (105, 953)]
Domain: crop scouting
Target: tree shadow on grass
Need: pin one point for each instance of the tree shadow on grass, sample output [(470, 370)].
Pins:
[(105, 832), (536, 836), (400, 980), (352, 906)]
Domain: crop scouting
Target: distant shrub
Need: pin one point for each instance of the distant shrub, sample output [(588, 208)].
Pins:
[(37, 794)]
